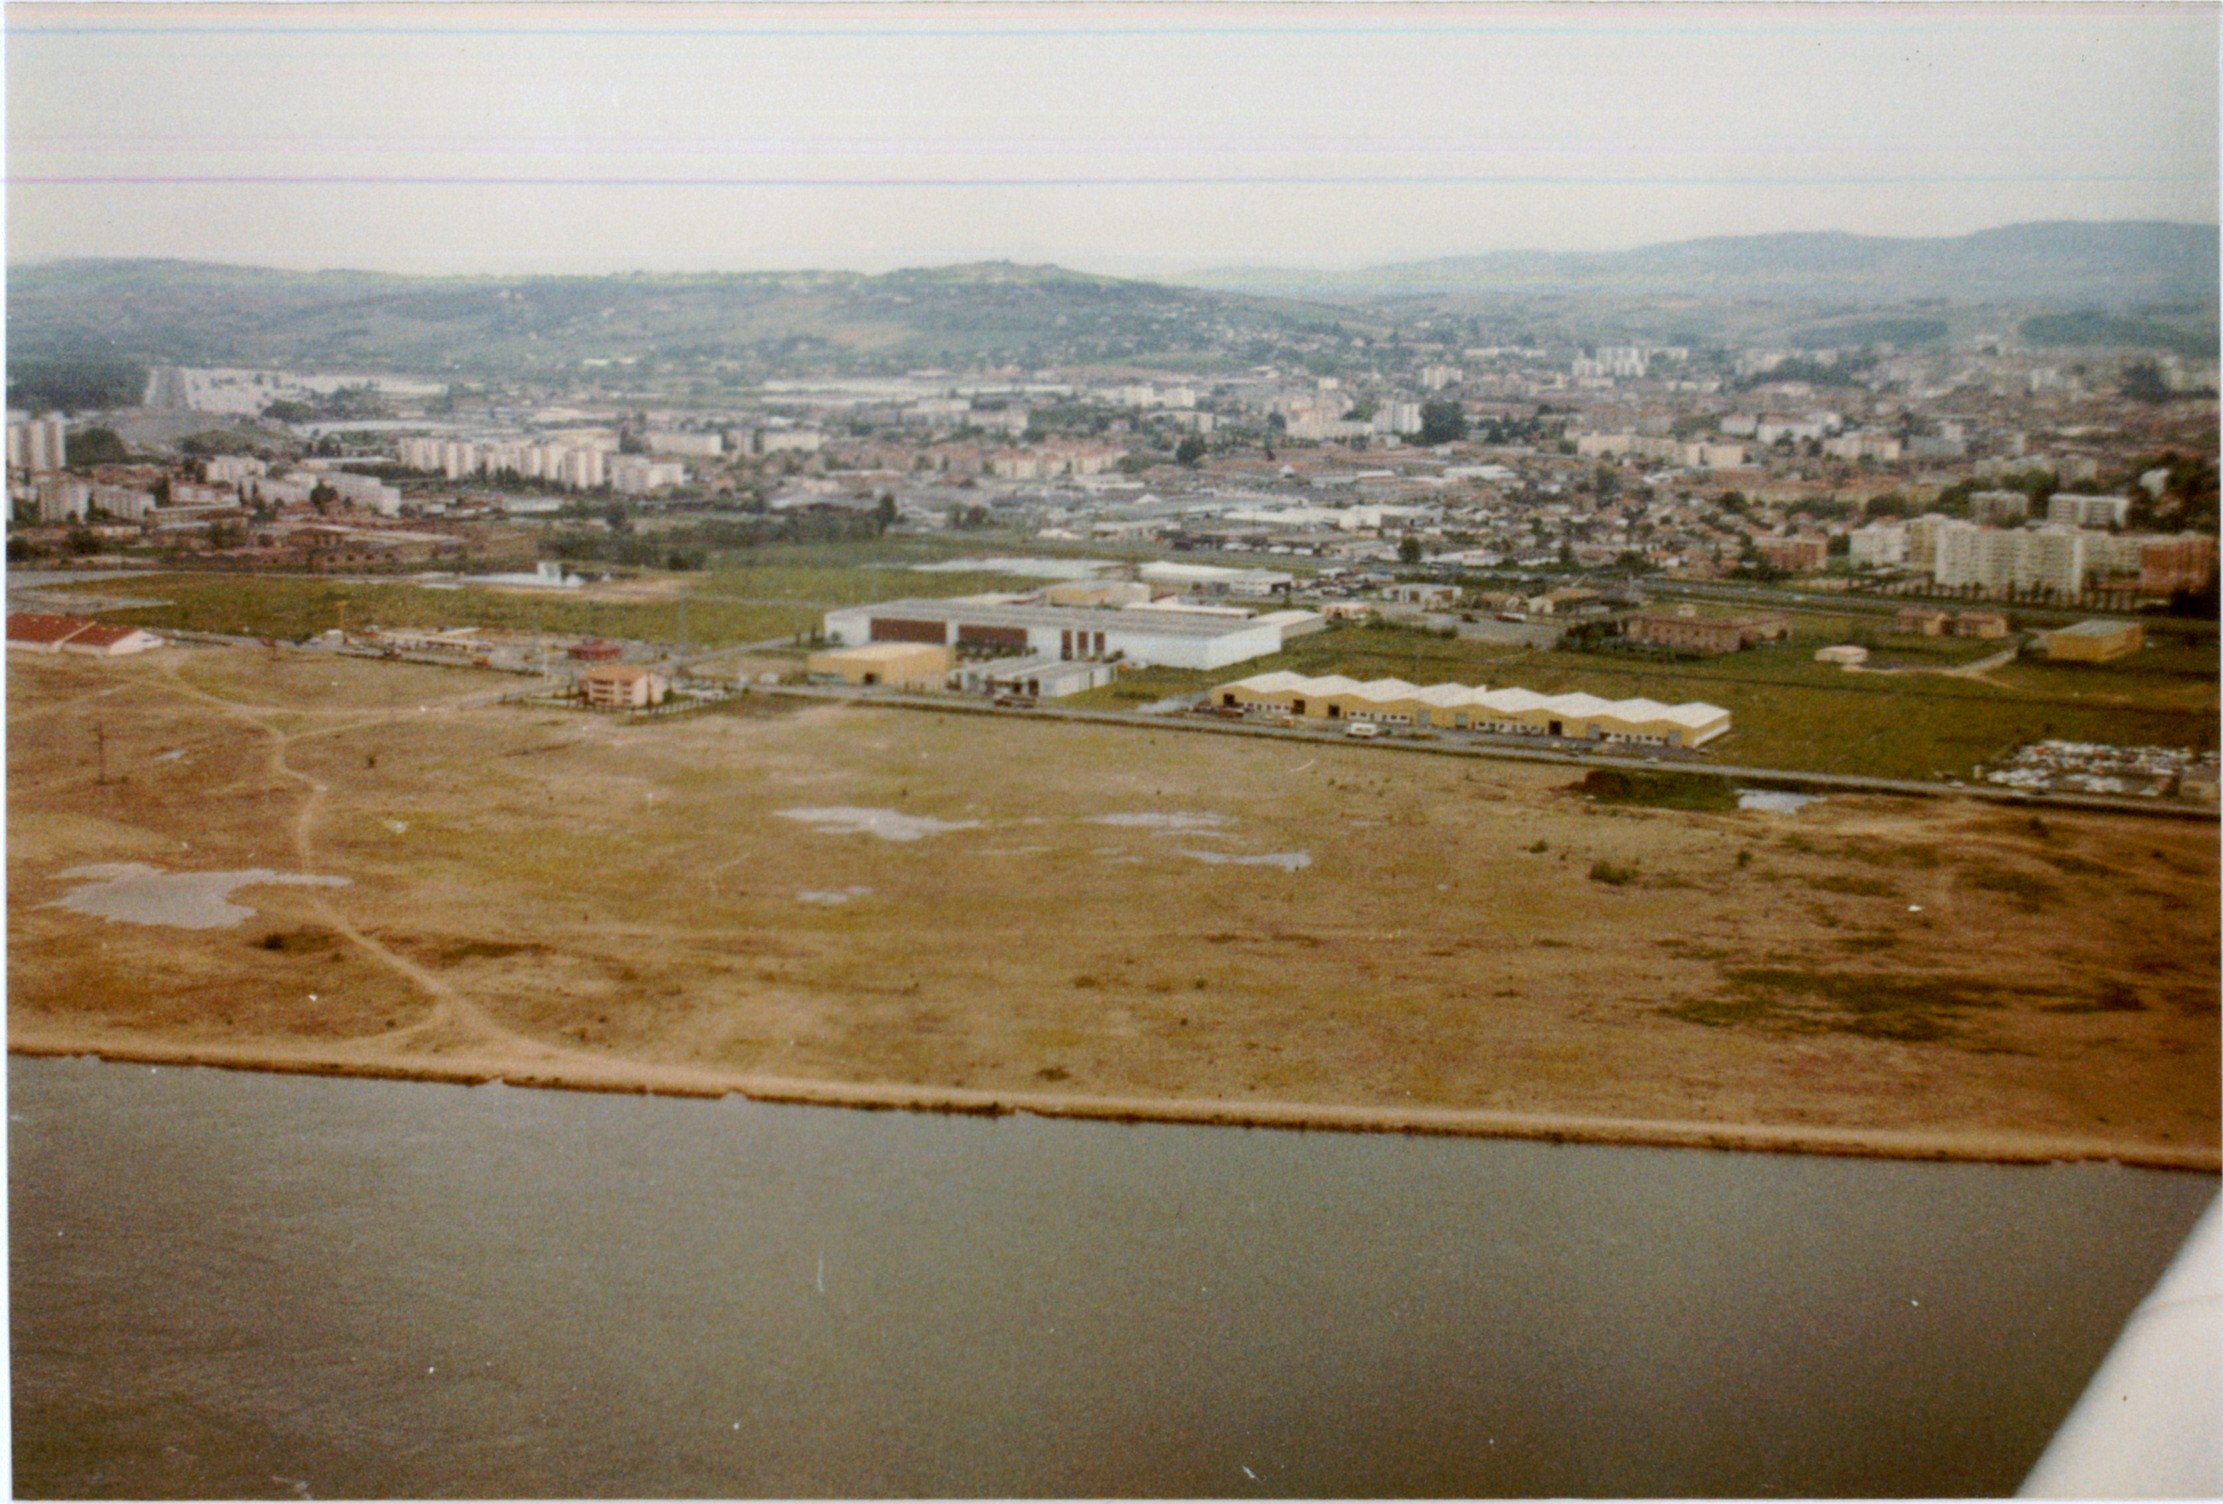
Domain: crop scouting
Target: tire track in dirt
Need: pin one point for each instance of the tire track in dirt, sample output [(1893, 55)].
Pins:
[(452, 1009)]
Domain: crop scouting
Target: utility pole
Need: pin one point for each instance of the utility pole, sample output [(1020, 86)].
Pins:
[(100, 741)]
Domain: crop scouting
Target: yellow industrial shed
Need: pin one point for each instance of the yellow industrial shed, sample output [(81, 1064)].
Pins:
[(898, 665), (2093, 641)]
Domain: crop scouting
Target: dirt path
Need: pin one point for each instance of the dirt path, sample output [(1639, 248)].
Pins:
[(452, 1012), (1442, 972)]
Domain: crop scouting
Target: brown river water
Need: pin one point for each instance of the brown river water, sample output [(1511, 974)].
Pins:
[(228, 1284)]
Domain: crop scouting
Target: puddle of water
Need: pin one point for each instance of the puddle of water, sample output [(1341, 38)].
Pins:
[(133, 893), (1027, 568), (1287, 861), (832, 895), (1165, 822), (1774, 801), (887, 824)]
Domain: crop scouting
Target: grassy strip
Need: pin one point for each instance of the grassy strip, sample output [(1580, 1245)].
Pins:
[(291, 608), (1789, 711)]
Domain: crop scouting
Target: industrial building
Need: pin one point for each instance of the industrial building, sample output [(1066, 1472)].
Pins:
[(1098, 593), (2093, 641), (897, 665), (987, 628), (1036, 678), (1459, 707)]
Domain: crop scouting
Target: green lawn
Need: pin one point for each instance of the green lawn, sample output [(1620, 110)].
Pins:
[(748, 597), (826, 586), (291, 608)]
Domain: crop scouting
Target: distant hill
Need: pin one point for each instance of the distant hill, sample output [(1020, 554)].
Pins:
[(2088, 328), (171, 312), (2109, 265)]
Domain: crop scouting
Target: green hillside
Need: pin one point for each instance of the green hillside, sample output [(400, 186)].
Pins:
[(168, 312)]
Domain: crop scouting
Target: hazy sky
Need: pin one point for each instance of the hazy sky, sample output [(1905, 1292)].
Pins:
[(1116, 137)]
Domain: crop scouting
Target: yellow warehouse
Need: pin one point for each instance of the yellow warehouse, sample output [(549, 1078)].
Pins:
[(2093, 641), (897, 665)]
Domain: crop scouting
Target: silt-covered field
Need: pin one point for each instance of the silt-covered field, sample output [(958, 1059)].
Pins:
[(873, 904)]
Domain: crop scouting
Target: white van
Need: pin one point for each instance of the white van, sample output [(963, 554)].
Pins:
[(1361, 729)]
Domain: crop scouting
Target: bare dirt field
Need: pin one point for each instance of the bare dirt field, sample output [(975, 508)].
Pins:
[(879, 906)]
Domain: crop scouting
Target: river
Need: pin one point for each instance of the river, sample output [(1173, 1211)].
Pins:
[(258, 1285)]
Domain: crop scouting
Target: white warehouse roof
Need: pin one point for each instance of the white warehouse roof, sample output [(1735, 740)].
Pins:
[(1447, 696)]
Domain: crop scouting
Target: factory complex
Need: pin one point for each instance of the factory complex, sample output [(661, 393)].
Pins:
[(1459, 707), (988, 626)]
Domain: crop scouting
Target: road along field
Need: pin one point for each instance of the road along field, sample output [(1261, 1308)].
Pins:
[(840, 903), (1791, 712)]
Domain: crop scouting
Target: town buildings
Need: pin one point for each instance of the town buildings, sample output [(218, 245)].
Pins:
[(1997, 559), (1705, 634), (1798, 555), (36, 445), (2076, 510), (1877, 546)]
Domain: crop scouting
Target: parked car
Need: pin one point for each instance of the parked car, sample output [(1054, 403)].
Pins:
[(1362, 729)]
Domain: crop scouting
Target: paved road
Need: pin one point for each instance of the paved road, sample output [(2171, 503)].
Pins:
[(1792, 778)]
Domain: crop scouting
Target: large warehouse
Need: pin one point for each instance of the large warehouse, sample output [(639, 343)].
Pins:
[(1175, 639), (1459, 707)]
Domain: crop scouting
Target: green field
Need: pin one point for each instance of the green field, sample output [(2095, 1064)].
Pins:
[(291, 608), (774, 592), (1790, 712)]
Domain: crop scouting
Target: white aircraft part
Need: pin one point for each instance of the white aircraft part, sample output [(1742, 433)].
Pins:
[(2150, 1426)]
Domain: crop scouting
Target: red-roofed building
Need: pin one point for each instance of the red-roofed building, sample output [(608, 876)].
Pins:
[(102, 639), (41, 632)]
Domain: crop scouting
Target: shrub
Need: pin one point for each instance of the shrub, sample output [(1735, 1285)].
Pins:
[(1612, 874), (1700, 791)]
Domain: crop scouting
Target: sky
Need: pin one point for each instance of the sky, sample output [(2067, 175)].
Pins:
[(1133, 139)]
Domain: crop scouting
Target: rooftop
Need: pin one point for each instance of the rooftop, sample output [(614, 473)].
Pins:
[(1511, 701), (34, 626), (1089, 618)]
